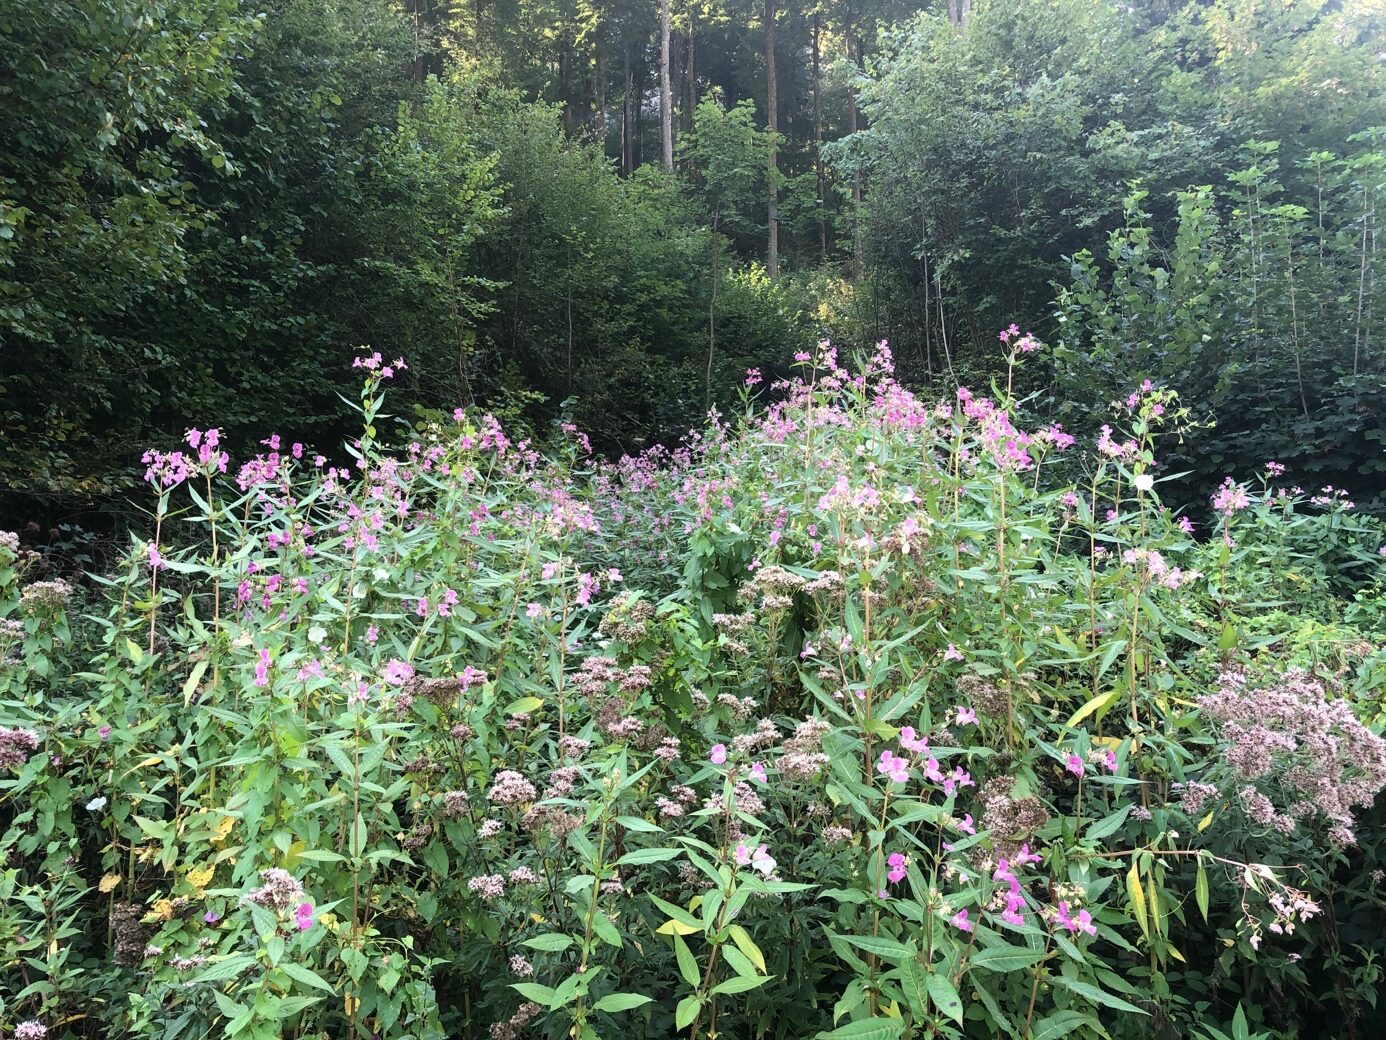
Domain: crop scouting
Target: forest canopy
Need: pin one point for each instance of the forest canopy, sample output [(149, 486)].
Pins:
[(606, 213)]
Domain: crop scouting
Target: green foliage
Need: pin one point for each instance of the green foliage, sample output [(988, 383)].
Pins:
[(854, 718)]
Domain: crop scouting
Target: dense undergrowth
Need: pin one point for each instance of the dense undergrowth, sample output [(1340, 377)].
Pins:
[(859, 715)]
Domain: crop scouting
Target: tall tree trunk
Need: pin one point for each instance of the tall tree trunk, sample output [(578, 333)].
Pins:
[(822, 188), (565, 78), (692, 74), (666, 95), (599, 96), (627, 145), (772, 105), (853, 56)]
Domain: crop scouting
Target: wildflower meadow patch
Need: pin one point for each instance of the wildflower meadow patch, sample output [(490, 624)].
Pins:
[(857, 715)]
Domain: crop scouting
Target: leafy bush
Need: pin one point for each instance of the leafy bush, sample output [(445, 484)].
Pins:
[(850, 718)]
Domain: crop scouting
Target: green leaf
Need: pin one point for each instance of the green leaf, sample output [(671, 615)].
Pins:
[(1109, 825), (635, 823), (867, 1029), (299, 973), (880, 947), (1201, 890), (636, 857), (745, 944), (620, 1001), (741, 983), (1096, 995), (1006, 958), (945, 996), (553, 942), (686, 1011), (542, 995), (1059, 1024), (688, 966)]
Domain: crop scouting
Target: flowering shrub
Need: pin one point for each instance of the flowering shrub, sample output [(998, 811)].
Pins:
[(859, 717)]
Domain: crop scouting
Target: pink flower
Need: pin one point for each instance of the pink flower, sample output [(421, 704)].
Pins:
[(372, 634), (757, 858), (718, 754), (910, 741), (758, 773), (952, 653), (896, 862), (262, 669), (104, 732), (1109, 760), (966, 825), (960, 921), (397, 672), (1074, 764), (893, 766), (1081, 923), (304, 916), (966, 717)]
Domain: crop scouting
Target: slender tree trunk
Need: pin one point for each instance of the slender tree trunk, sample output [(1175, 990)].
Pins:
[(711, 316), (565, 78), (822, 186), (599, 96), (627, 145), (853, 54), (666, 95), (692, 74), (772, 104)]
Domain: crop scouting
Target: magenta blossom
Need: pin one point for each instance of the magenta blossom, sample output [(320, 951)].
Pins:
[(1074, 764), (718, 754), (893, 766), (303, 916), (397, 672), (896, 862), (960, 921)]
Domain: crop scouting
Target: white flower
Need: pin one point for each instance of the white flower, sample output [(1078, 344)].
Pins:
[(317, 634), (96, 804), (1144, 482)]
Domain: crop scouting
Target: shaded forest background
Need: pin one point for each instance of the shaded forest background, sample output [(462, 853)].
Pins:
[(607, 212)]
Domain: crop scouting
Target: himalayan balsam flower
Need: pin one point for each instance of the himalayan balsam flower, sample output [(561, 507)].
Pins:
[(397, 672), (757, 858), (758, 773), (893, 766), (966, 717), (952, 653), (960, 921), (1074, 764), (718, 754), (896, 862), (303, 916)]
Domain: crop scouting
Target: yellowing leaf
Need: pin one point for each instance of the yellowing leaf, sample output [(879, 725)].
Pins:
[(1203, 823), (1101, 701), (1137, 893), (108, 882), (746, 945), (223, 828), (199, 877), (672, 927), (164, 908)]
